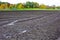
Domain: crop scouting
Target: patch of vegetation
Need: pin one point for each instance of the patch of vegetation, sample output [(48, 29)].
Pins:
[(27, 6)]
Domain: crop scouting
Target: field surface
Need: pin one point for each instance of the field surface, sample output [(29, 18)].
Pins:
[(30, 25)]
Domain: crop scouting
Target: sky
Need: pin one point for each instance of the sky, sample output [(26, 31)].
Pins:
[(46, 2)]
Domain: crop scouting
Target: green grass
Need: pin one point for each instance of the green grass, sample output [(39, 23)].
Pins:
[(26, 9), (36, 9)]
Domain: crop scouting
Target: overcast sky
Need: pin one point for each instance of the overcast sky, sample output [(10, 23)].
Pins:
[(47, 2)]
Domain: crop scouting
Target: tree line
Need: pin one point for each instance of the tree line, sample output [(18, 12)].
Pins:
[(28, 4)]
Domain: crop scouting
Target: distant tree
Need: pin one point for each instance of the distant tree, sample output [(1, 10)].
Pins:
[(35, 5), (19, 6), (42, 6), (1, 7), (31, 4), (53, 6), (4, 5), (10, 6), (28, 4), (58, 7), (0, 3)]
